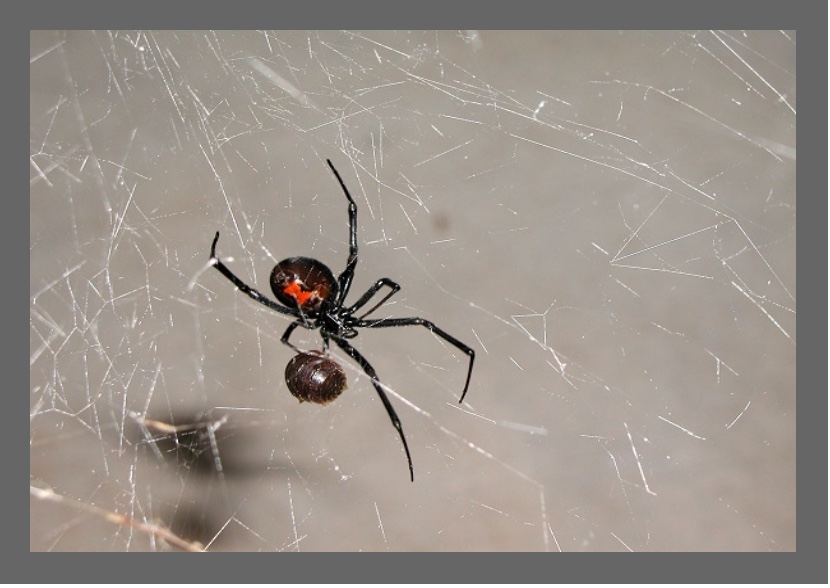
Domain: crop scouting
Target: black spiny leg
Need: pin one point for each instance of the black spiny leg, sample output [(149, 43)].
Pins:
[(370, 371), (344, 281), (243, 287), (403, 322), (394, 287)]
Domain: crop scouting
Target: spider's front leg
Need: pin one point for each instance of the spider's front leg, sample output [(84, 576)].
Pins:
[(390, 410), (301, 322)]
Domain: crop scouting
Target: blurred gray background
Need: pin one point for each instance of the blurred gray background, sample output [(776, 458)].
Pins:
[(608, 218)]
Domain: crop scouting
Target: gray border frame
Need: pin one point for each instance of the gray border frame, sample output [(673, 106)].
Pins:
[(809, 564)]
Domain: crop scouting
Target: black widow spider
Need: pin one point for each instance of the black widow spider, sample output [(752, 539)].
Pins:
[(309, 292)]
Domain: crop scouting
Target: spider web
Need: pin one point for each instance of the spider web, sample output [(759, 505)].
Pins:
[(607, 218)]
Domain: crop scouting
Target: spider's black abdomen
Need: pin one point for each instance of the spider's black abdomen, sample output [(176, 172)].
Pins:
[(303, 282), (313, 377)]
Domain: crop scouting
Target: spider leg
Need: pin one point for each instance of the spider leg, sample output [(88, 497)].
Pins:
[(243, 287), (344, 280), (404, 322), (370, 371), (285, 336), (371, 292)]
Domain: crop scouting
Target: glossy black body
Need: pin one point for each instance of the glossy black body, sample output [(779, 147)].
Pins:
[(309, 293)]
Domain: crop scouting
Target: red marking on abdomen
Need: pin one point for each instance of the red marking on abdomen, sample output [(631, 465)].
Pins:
[(295, 290)]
